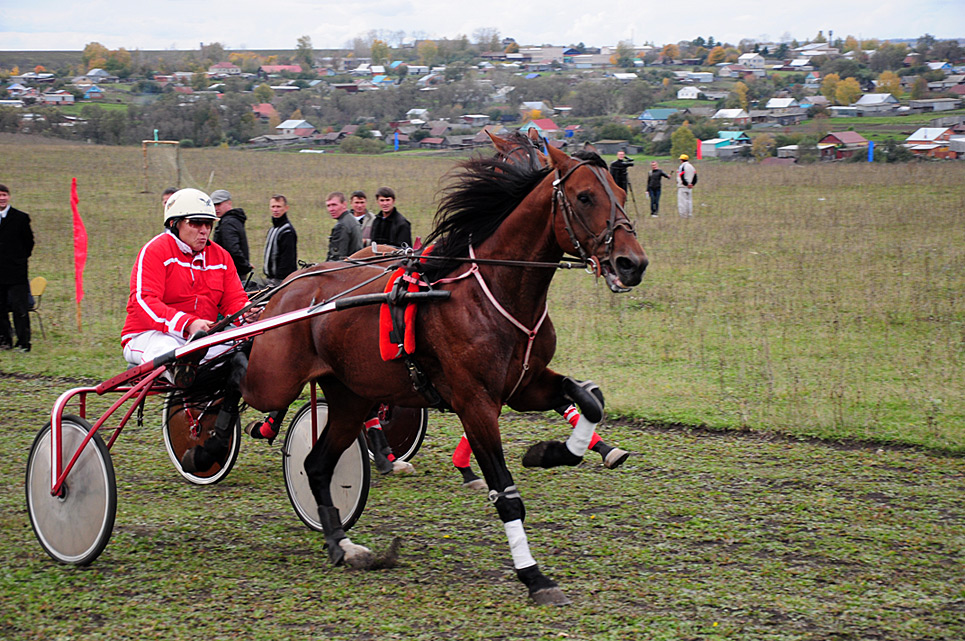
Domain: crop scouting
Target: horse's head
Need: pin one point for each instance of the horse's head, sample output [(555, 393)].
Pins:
[(591, 222), (520, 150)]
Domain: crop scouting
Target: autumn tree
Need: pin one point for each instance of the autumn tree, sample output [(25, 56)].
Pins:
[(428, 52), (847, 92), (94, 55), (623, 57), (683, 141), (380, 52), (919, 89), (39, 69), (512, 47), (670, 51), (763, 146), (851, 44), (889, 82), (829, 86), (716, 55), (740, 90)]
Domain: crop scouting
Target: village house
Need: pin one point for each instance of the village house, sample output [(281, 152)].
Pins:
[(751, 60), (876, 103), (736, 116), (931, 141), (688, 93), (545, 127), (300, 128), (842, 144), (59, 97), (934, 104), (224, 69)]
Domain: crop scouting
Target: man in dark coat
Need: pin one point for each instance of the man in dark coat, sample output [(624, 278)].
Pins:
[(391, 227), (230, 232), (346, 236), (281, 246), (654, 187), (16, 245), (619, 169)]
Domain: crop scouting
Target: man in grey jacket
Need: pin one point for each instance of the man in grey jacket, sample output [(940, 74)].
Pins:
[(346, 237)]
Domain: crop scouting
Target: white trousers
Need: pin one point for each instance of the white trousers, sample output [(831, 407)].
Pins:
[(148, 345), (685, 202)]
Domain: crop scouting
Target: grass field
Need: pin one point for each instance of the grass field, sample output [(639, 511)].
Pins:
[(816, 301), (821, 301)]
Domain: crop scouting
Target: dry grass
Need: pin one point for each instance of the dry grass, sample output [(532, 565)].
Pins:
[(822, 300)]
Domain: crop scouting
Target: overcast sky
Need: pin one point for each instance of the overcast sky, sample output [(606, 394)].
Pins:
[(184, 24)]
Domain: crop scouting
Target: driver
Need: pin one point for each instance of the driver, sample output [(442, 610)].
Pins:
[(180, 282)]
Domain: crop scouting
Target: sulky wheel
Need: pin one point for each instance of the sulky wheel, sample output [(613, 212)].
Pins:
[(404, 428), (75, 526), (350, 483), (184, 428)]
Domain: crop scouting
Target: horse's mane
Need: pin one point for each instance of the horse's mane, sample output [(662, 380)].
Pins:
[(481, 194)]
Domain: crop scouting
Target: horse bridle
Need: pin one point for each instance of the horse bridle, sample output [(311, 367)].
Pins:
[(618, 216)]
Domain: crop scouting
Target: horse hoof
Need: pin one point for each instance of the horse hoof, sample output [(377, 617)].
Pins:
[(357, 557), (549, 454), (550, 596), (615, 458), (402, 467), (476, 484)]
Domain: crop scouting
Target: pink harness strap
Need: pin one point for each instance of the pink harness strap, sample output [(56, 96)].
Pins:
[(530, 333)]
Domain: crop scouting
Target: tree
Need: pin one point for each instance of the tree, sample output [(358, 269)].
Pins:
[(763, 146), (829, 86), (94, 51), (428, 52), (924, 44), (847, 92), (670, 51), (380, 52), (623, 57), (851, 44), (740, 90), (487, 39), (948, 50), (512, 47), (820, 37), (716, 55), (264, 93), (683, 141), (304, 53), (919, 89), (889, 82), (888, 56)]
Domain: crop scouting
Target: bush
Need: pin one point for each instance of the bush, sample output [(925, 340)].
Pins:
[(186, 142), (357, 145)]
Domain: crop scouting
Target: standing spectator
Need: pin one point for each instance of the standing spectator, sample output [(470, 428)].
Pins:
[(363, 216), (16, 245), (686, 179), (619, 170), (391, 227), (281, 246), (346, 237), (230, 232), (167, 193), (653, 187)]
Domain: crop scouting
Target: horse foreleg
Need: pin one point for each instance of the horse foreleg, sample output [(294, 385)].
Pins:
[(552, 390), (483, 433), (344, 422)]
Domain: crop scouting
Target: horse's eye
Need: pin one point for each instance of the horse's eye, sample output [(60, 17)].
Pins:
[(585, 198)]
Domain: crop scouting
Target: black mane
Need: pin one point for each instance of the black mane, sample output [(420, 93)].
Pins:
[(482, 193)]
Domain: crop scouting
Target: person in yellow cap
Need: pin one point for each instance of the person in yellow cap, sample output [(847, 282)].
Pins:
[(686, 179)]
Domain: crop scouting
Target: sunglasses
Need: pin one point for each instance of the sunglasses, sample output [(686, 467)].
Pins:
[(199, 223)]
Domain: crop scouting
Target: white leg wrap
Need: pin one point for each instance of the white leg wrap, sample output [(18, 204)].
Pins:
[(518, 545), (579, 439)]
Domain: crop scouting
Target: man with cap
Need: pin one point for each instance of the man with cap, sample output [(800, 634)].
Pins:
[(180, 283), (686, 179), (230, 233)]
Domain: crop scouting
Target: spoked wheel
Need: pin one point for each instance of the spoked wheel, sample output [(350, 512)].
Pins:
[(184, 427), (404, 428), (76, 526), (350, 483)]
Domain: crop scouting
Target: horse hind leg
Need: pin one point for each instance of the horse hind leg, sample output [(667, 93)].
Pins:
[(588, 397)]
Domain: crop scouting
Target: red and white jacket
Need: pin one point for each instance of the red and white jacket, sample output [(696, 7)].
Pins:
[(171, 286)]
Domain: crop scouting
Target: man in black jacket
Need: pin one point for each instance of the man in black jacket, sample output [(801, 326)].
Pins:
[(281, 246), (230, 232), (391, 227), (619, 169), (16, 245), (654, 187)]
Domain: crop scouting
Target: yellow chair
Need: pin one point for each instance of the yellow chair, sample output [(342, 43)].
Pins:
[(37, 287)]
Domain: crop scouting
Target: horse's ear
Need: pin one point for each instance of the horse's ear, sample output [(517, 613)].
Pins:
[(501, 144), (534, 136), (557, 157), (588, 146)]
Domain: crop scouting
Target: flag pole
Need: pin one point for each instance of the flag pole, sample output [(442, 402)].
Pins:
[(80, 249)]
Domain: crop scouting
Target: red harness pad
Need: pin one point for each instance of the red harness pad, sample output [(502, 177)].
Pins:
[(388, 348)]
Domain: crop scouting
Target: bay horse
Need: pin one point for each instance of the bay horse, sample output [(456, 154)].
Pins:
[(501, 231)]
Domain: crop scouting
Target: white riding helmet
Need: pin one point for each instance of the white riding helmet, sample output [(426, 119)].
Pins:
[(189, 203)]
